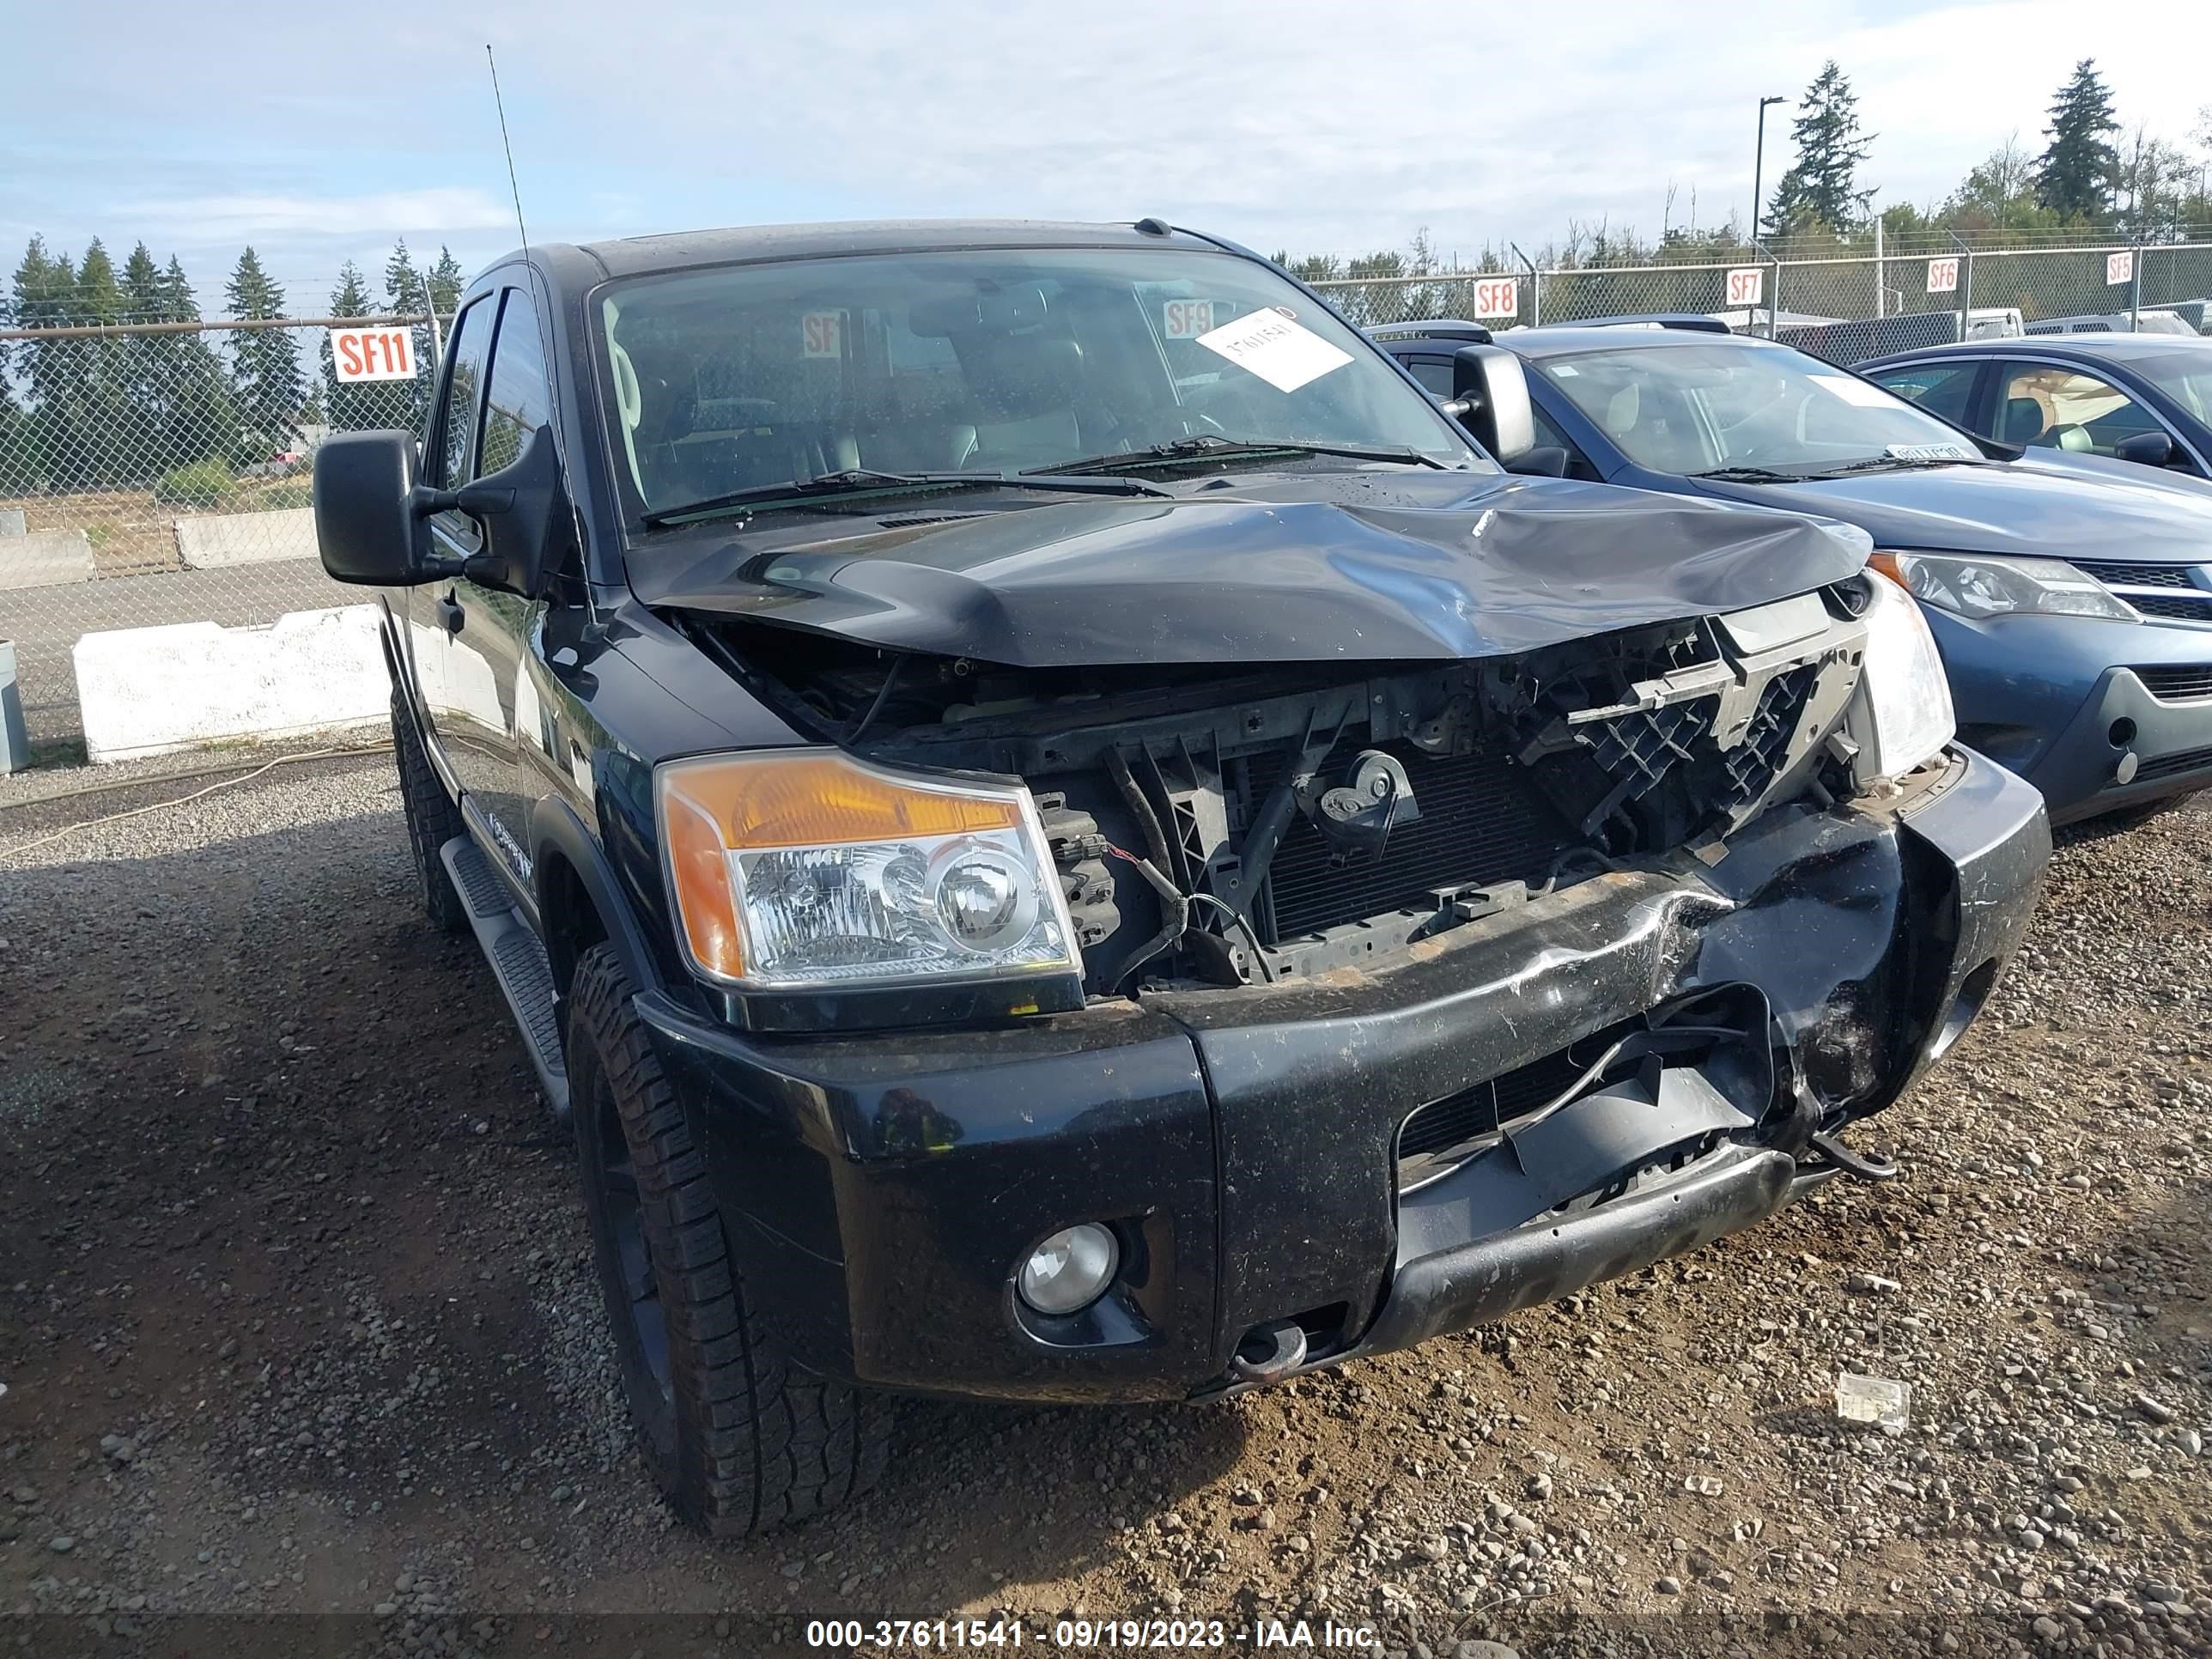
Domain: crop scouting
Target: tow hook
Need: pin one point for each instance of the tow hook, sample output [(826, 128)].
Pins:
[(1850, 1163), (1269, 1352)]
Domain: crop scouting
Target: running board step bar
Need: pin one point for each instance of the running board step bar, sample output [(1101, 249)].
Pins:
[(518, 961)]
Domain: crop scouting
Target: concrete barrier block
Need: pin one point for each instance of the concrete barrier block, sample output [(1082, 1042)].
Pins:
[(205, 541), (152, 690), (39, 558)]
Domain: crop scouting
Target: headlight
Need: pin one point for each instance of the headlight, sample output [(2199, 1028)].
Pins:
[(1976, 587), (1901, 713), (808, 870)]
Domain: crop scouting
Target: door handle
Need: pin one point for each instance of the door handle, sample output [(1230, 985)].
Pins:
[(450, 614)]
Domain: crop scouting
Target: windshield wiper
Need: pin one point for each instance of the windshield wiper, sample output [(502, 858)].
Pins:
[(1895, 463), (1749, 475), (862, 481), (1206, 448)]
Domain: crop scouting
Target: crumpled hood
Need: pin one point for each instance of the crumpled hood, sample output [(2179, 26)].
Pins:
[(2053, 511), (1395, 567)]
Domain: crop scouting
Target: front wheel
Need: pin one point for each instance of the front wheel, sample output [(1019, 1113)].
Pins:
[(432, 820), (738, 1438)]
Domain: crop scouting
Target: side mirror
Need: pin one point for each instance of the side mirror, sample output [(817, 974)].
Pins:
[(524, 510), (1490, 380), (1545, 461), (2145, 449), (366, 524)]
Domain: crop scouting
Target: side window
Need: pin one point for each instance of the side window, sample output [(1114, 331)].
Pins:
[(1548, 436), (1944, 389), (2065, 409), (519, 401), (1434, 373), (471, 348)]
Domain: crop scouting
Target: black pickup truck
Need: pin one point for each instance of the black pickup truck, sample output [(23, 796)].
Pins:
[(1061, 834)]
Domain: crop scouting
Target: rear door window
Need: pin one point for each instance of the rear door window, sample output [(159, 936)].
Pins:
[(1944, 389), (2053, 407)]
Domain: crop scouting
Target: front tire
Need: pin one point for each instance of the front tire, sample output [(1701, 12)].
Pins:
[(736, 1437), (432, 820)]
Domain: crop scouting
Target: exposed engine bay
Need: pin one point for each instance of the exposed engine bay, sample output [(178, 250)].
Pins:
[(1223, 826)]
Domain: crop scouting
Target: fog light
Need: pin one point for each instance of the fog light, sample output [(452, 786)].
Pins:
[(1070, 1270)]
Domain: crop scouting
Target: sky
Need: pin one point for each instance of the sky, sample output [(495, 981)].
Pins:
[(320, 136)]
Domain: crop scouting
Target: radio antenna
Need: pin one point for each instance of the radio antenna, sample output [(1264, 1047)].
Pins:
[(498, 104)]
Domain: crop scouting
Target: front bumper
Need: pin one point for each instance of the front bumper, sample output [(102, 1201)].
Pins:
[(2042, 696), (1244, 1143)]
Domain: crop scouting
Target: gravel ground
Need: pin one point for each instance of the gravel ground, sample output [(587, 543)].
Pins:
[(296, 1323)]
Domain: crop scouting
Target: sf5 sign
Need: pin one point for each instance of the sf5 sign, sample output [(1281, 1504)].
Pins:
[(373, 353)]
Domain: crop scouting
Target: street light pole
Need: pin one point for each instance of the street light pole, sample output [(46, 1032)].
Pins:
[(1758, 181), (1758, 167)]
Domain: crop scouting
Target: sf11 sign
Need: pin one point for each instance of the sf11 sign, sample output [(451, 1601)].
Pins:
[(373, 353), (1942, 276), (1748, 286), (1497, 296), (2119, 267)]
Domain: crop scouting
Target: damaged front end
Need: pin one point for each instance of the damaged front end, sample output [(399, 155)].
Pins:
[(1492, 976)]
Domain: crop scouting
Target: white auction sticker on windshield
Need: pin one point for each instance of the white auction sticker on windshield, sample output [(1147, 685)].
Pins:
[(1931, 452), (1275, 347), (1861, 392)]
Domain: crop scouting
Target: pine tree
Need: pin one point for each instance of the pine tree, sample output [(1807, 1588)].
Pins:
[(356, 406), (408, 295), (2075, 175), (180, 378), (44, 295), (1818, 191), (447, 281), (93, 434), (265, 373)]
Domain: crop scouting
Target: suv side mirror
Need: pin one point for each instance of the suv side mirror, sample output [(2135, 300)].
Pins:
[(524, 509), (369, 514), (365, 524), (1490, 380), (2145, 449)]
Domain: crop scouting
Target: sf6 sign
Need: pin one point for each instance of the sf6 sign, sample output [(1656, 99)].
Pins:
[(373, 353), (1942, 276)]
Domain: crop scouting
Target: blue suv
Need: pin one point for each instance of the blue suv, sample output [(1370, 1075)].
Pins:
[(2070, 596)]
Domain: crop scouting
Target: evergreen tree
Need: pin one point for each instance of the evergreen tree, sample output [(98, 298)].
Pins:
[(266, 383), (2075, 176), (408, 295), (89, 436), (447, 282), (182, 410), (1819, 192), (357, 406)]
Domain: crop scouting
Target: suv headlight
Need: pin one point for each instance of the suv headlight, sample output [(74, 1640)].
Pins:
[(1901, 713), (1975, 586), (808, 870)]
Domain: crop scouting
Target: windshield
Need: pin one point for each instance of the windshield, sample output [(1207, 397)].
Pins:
[(1692, 409), (2183, 376), (992, 361)]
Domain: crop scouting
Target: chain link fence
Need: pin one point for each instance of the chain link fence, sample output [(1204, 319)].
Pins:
[(163, 472)]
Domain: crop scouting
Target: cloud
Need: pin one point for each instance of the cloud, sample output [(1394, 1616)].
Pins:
[(251, 217)]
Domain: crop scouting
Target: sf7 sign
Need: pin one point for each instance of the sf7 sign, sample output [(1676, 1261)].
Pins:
[(1745, 285), (373, 353)]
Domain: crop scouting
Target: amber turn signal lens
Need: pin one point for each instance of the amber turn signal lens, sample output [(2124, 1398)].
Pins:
[(817, 799), (699, 871), (1885, 564)]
